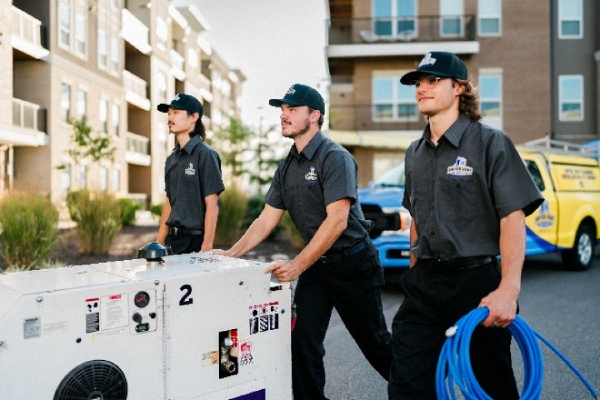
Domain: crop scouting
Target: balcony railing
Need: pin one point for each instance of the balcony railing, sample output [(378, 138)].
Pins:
[(26, 27), (401, 29), (27, 115), (372, 117), (138, 149), (135, 32), (136, 90)]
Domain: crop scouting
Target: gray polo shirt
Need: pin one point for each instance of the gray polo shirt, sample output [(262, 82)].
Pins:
[(191, 174), (305, 183), (458, 191)]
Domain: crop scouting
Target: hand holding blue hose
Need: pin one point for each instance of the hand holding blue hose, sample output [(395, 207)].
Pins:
[(454, 364)]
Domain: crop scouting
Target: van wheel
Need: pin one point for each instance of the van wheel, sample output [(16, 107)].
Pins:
[(581, 256)]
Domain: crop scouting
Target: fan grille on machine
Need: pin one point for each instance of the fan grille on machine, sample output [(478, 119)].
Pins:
[(93, 380)]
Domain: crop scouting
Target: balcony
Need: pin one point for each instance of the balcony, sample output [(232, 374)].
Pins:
[(138, 149), (135, 32), (27, 125), (377, 37), (136, 91), (27, 34), (177, 65), (375, 117)]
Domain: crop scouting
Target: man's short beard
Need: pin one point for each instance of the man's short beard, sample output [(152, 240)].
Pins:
[(299, 133)]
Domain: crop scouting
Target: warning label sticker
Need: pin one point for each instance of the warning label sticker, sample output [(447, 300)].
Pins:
[(264, 317)]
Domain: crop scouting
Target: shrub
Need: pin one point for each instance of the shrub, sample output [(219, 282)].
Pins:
[(256, 204), (232, 208), (128, 208), (291, 229), (98, 219), (156, 209), (28, 230)]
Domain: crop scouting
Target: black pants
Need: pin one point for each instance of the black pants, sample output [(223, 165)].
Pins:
[(434, 301), (353, 287), (184, 244)]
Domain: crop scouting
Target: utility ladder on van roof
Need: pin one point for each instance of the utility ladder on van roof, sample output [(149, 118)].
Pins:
[(547, 144)]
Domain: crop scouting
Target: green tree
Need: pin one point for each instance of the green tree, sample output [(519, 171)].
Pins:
[(233, 141), (89, 145)]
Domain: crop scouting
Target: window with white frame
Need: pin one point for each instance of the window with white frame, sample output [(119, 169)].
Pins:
[(65, 102), (72, 25), (392, 101), (65, 179), (396, 18), (103, 115), (81, 103), (109, 48), (570, 19), (570, 97), (116, 119), (116, 180), (103, 176), (490, 97), (490, 17), (82, 176), (451, 18)]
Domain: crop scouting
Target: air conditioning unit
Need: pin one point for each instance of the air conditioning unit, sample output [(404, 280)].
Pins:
[(196, 326)]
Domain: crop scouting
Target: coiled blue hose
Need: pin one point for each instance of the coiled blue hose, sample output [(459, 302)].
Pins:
[(454, 364)]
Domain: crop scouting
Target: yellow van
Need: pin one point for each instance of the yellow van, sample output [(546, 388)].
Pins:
[(569, 219)]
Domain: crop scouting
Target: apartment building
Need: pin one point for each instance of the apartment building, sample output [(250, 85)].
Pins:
[(536, 65), (111, 61)]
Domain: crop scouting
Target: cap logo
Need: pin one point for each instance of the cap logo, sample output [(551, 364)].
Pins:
[(427, 60), (176, 98), (291, 91)]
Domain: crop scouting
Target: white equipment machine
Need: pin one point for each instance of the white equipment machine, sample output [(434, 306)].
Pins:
[(196, 326)]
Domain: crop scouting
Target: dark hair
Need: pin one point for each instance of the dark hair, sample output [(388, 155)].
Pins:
[(199, 129), (469, 100), (321, 117)]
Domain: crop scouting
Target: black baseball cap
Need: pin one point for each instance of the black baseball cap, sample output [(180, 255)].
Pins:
[(301, 95), (438, 63), (182, 101)]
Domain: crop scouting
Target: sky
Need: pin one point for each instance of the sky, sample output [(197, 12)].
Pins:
[(275, 43)]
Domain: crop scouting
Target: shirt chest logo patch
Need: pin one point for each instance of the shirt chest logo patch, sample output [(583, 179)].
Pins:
[(190, 170), (460, 169), (311, 175)]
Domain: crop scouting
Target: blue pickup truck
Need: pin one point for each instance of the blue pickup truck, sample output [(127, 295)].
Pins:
[(381, 202)]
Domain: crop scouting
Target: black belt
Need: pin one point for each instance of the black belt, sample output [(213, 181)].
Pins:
[(175, 231), (456, 264), (344, 254)]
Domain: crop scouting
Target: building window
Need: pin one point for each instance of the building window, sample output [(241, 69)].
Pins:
[(65, 102), (72, 25), (396, 18), (490, 98), (65, 179), (451, 18), (570, 18), (82, 178), (116, 180), (64, 23), (490, 17), (570, 95), (109, 49), (116, 119), (81, 103), (393, 101), (103, 179), (103, 115)]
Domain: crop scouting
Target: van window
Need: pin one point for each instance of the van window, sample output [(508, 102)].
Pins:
[(535, 173)]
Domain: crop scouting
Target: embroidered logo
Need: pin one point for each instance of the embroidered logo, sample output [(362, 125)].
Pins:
[(311, 175), (176, 97), (190, 170), (291, 90), (460, 169), (427, 60)]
